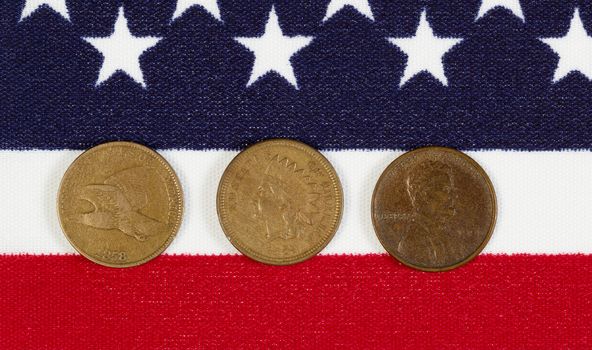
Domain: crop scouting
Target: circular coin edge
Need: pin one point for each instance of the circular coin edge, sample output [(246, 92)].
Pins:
[(177, 186), (492, 193), (220, 203)]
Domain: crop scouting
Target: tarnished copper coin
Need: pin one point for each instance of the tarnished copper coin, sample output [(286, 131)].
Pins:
[(434, 209), (120, 204), (280, 202)]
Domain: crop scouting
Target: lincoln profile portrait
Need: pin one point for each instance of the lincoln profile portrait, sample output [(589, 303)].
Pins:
[(426, 229)]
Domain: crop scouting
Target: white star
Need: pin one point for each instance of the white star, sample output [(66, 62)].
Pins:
[(122, 51), (273, 51), (424, 52), (511, 5), (58, 6), (574, 50), (209, 5), (362, 6)]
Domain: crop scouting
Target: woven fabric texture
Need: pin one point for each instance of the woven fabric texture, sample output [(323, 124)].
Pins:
[(509, 81)]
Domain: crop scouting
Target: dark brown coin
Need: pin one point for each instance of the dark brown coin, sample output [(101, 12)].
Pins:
[(280, 202), (434, 209), (120, 204)]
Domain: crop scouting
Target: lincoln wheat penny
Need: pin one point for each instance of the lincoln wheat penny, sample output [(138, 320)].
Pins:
[(120, 204), (434, 209), (280, 202)]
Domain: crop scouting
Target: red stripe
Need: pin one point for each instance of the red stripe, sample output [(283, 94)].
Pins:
[(179, 302)]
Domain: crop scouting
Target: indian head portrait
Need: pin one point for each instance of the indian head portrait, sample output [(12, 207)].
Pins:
[(284, 203)]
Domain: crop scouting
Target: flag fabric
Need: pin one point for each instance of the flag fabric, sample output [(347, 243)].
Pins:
[(507, 81)]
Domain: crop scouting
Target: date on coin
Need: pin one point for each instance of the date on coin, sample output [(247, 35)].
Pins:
[(120, 204), (280, 202), (434, 209)]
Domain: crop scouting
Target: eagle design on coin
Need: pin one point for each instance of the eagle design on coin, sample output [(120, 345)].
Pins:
[(117, 204)]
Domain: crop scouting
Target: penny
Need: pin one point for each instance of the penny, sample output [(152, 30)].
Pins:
[(434, 209), (120, 204), (280, 202)]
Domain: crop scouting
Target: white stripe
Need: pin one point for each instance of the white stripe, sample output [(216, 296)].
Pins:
[(545, 201)]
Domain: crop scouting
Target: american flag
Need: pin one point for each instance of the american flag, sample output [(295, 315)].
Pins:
[(507, 81)]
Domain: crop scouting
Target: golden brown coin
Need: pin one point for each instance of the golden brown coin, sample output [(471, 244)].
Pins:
[(280, 202), (434, 209), (120, 204)]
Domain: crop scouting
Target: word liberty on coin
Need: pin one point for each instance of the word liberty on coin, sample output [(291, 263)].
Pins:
[(280, 202), (434, 209), (120, 204)]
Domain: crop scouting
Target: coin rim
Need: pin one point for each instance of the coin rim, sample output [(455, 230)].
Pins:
[(222, 188), (177, 186), (479, 169)]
